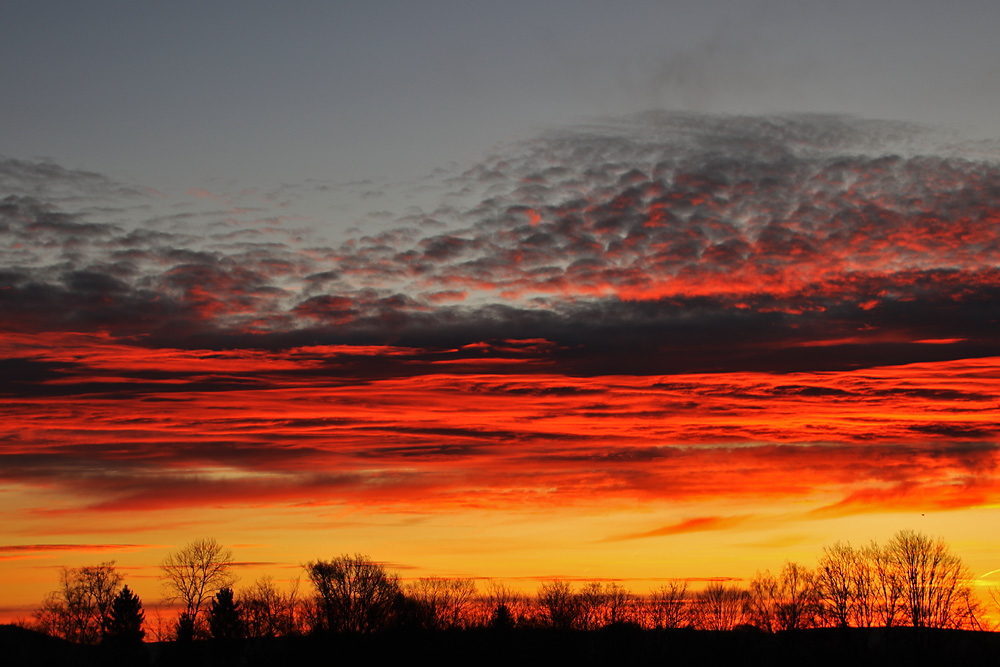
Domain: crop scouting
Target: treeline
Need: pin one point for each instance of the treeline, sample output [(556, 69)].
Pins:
[(911, 580)]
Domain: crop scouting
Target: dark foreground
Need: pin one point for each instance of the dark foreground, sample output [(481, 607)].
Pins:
[(518, 647)]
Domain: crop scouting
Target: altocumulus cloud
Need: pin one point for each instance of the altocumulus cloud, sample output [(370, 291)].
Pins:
[(645, 243)]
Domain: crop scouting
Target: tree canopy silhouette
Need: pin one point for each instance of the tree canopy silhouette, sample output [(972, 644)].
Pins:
[(224, 619), (80, 610), (354, 593), (195, 573), (126, 619), (912, 579)]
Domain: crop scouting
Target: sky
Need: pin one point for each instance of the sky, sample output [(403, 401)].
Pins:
[(630, 291)]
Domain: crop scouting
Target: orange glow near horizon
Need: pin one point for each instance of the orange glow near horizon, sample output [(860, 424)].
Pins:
[(524, 477)]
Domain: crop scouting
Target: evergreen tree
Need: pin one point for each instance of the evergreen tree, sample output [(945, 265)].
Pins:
[(224, 616), (125, 621), (184, 629)]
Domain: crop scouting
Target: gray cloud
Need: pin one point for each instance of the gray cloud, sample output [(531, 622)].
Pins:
[(640, 243)]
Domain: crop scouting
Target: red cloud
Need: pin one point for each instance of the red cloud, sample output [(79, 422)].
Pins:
[(694, 525)]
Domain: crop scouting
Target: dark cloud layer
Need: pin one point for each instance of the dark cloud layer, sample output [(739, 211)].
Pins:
[(662, 243)]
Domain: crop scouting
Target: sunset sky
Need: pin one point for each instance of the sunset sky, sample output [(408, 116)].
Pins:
[(629, 291)]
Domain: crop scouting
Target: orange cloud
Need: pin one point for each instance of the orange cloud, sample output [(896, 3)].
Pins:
[(693, 525)]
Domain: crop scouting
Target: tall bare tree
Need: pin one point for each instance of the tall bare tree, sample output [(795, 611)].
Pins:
[(559, 604), (790, 601), (836, 581), (269, 611), (620, 604), (80, 610), (591, 602), (354, 593), (668, 605), (884, 599), (935, 582), (446, 602), (721, 607), (911, 579), (860, 587), (762, 601), (196, 573)]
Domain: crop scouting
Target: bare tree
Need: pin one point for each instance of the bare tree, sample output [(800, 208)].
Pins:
[(762, 601), (591, 603), (836, 581), (196, 573), (506, 606), (880, 588), (80, 610), (446, 602), (995, 600), (911, 579), (721, 607), (668, 605), (600, 605), (859, 587), (619, 604), (354, 593), (936, 584), (270, 612), (559, 604), (797, 605)]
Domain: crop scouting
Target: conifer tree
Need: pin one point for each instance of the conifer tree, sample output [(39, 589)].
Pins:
[(224, 616), (126, 619)]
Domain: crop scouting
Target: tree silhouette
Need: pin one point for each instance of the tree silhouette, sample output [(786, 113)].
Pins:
[(195, 573), (501, 618), (514, 604), (838, 583), (184, 628), (668, 605), (590, 603), (790, 601), (559, 604), (354, 593), (79, 611), (269, 612), (600, 605), (911, 579), (721, 607), (881, 591), (619, 605), (935, 582), (445, 602), (126, 619), (224, 616)]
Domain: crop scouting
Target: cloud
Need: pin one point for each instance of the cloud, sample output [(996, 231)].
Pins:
[(14, 552), (47, 180), (38, 548), (693, 525), (659, 308), (827, 242), (121, 428)]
